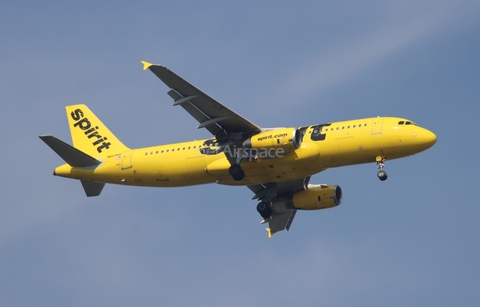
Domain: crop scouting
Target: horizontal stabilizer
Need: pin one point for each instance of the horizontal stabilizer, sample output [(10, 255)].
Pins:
[(92, 188), (70, 154)]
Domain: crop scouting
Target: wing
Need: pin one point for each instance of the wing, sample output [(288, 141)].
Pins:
[(222, 122), (277, 193)]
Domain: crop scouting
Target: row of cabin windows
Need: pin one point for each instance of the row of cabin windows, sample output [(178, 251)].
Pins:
[(173, 149), (194, 147), (343, 127)]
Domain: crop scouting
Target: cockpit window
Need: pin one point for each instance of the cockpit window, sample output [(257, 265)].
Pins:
[(401, 122), (408, 123)]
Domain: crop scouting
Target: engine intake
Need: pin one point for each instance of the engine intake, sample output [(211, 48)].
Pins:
[(288, 139)]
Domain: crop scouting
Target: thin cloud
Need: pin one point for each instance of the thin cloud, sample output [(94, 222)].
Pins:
[(338, 65)]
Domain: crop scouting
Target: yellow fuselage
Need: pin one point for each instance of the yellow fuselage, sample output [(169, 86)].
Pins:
[(324, 146)]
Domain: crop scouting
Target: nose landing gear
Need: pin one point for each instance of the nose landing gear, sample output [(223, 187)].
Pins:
[(382, 175)]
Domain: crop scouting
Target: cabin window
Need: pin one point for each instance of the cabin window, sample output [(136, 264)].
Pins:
[(162, 151), (353, 126), (343, 127), (146, 153), (157, 152), (168, 150), (337, 128)]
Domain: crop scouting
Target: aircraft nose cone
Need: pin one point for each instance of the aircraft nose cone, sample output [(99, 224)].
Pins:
[(429, 138)]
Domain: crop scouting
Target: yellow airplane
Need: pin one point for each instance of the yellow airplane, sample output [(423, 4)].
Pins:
[(274, 163)]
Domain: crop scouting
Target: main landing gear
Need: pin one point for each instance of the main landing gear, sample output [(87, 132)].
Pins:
[(264, 209), (236, 172), (382, 175)]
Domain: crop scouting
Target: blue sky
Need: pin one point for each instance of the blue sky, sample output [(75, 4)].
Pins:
[(412, 240)]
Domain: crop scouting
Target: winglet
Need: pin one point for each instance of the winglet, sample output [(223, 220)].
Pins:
[(146, 65), (269, 232)]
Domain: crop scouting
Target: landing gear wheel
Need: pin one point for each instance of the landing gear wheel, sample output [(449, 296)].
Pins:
[(236, 172), (264, 209), (382, 175)]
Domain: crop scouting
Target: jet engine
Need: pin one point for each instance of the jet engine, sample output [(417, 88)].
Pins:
[(288, 139), (316, 197)]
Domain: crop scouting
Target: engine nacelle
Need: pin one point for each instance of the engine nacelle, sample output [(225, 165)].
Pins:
[(317, 197), (288, 139)]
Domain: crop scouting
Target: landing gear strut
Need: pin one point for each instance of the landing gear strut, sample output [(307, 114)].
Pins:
[(236, 172), (382, 175), (264, 209)]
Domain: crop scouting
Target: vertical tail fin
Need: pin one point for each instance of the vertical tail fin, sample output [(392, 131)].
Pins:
[(90, 135)]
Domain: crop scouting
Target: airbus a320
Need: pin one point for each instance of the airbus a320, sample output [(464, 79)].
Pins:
[(276, 164)]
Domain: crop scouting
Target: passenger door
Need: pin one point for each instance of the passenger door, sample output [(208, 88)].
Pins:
[(377, 125), (127, 159)]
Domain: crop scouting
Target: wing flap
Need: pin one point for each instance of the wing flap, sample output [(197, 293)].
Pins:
[(185, 103), (280, 221)]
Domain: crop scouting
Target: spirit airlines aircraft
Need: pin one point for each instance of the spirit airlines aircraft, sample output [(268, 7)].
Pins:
[(274, 163)]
